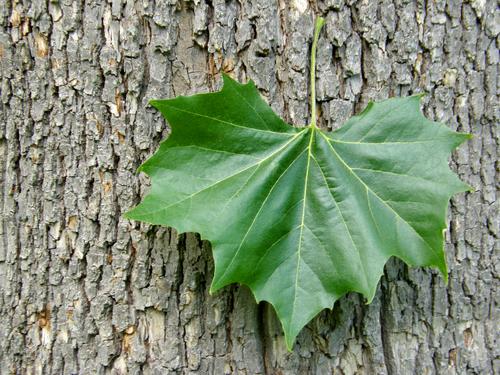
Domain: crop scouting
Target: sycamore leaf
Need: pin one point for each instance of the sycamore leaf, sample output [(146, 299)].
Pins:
[(299, 215)]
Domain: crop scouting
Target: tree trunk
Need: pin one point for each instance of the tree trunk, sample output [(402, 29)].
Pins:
[(84, 291)]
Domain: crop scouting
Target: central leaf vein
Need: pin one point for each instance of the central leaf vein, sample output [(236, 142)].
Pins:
[(358, 252), (257, 214), (309, 155)]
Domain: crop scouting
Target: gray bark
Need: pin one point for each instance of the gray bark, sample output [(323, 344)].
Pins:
[(84, 291)]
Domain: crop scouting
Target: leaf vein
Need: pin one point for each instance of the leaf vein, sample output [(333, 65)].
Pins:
[(224, 179), (227, 122), (378, 197), (257, 214), (392, 173), (358, 252), (309, 154), (252, 107)]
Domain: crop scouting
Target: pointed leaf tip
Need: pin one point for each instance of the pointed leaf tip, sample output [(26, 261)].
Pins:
[(154, 103)]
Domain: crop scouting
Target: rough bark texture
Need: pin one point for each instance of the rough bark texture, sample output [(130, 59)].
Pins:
[(84, 291)]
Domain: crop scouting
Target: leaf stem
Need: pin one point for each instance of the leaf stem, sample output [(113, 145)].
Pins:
[(317, 28)]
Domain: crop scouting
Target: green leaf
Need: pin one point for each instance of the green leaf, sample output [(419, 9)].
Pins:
[(299, 215)]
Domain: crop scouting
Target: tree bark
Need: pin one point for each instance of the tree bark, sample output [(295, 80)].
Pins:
[(84, 291)]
